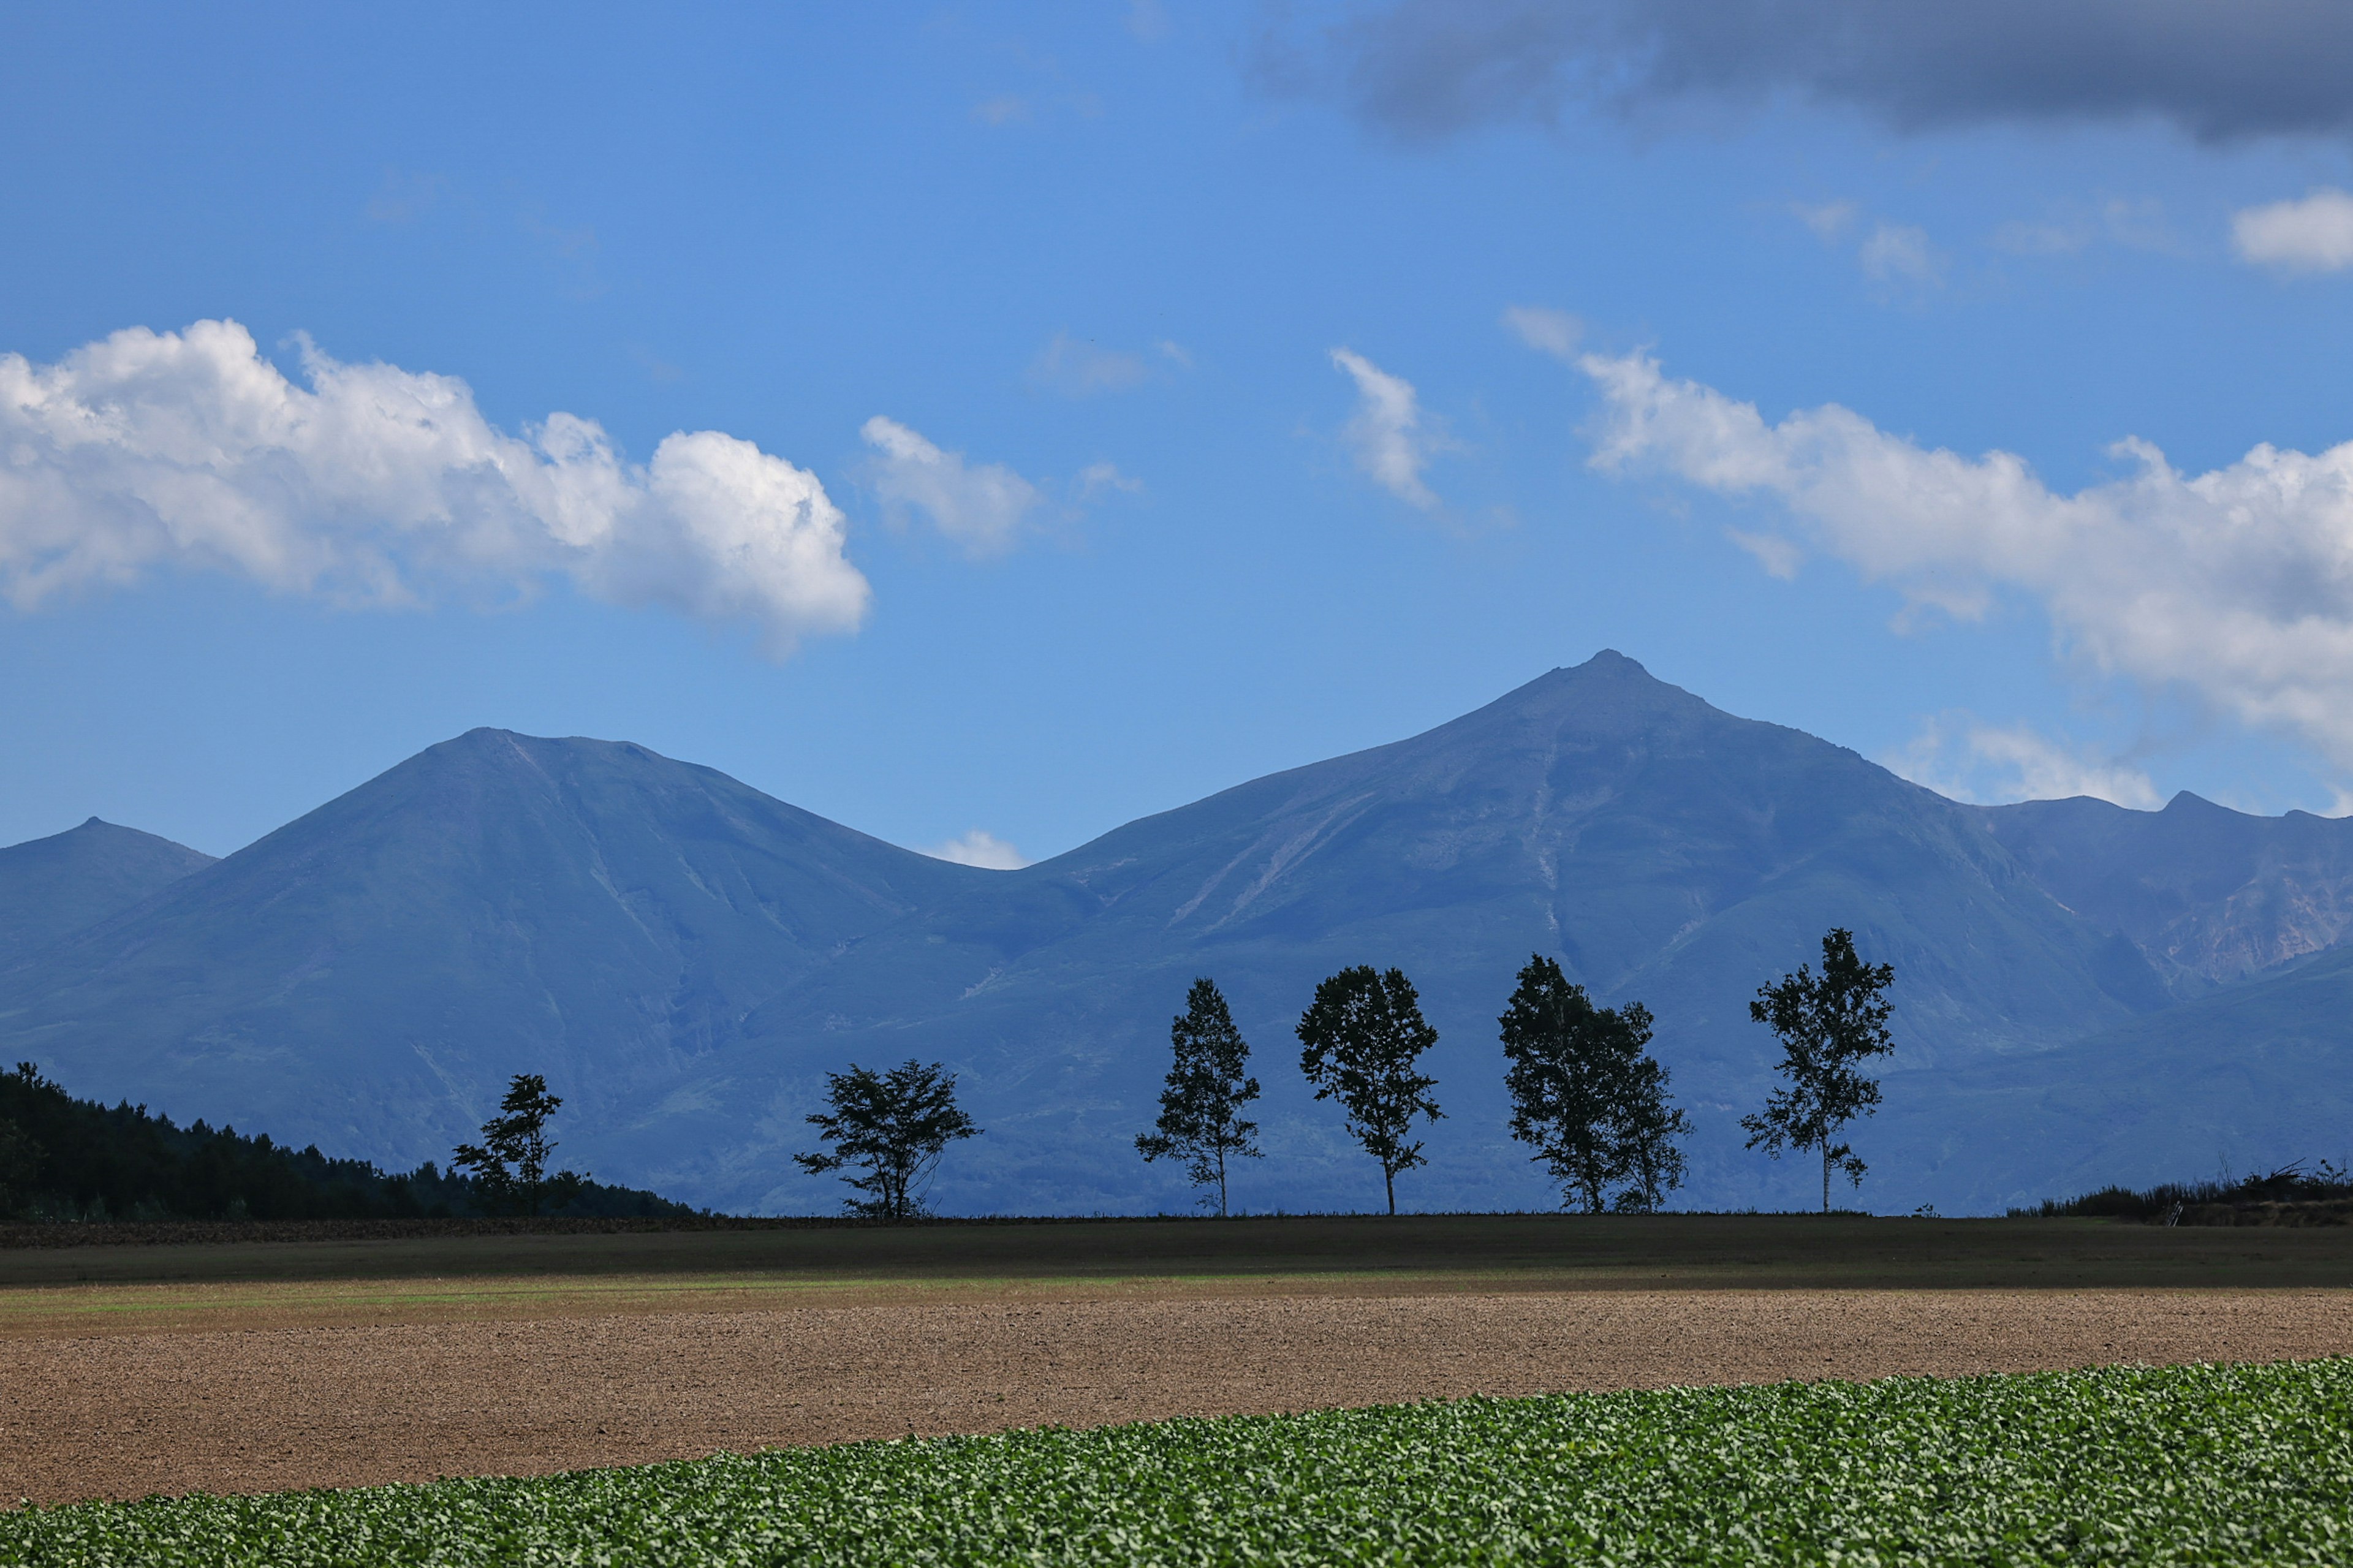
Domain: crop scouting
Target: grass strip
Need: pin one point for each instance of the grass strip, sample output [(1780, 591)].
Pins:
[(2232, 1464)]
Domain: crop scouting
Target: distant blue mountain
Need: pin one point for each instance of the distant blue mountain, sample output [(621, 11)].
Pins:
[(685, 959), (54, 887)]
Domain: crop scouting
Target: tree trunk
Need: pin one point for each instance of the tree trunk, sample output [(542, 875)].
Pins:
[(1221, 1183), (1389, 1177), (1825, 1178)]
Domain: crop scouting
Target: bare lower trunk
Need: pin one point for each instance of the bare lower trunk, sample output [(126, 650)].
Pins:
[(1826, 1181), (1389, 1177), (1221, 1183)]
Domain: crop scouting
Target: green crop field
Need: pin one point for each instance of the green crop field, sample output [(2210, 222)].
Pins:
[(2197, 1464)]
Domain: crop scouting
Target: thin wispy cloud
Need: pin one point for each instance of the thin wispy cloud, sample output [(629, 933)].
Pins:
[(981, 848), (1546, 330), (1828, 220), (981, 507), (1961, 757), (2235, 585), (2313, 235), (1389, 436), (1900, 252), (1079, 367), (375, 485)]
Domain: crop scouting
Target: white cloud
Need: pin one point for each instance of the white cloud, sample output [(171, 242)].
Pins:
[(2236, 586), (1388, 434), (2315, 235), (376, 486), (1828, 220), (979, 849), (1004, 109), (981, 509), (1780, 557), (1959, 756), (1555, 332), (1099, 479), (1899, 252), (1076, 367)]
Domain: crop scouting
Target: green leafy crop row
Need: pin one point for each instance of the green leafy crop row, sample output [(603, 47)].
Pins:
[(2203, 1464)]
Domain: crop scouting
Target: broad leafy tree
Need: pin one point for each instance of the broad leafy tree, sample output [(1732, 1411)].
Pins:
[(1363, 1034), (1200, 1109), (1827, 1023), (511, 1162), (1586, 1096), (894, 1126)]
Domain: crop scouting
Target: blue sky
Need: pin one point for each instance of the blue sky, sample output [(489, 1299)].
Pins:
[(1018, 419)]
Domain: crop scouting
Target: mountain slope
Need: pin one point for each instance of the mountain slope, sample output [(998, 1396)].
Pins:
[(2248, 1079), (369, 976), (686, 958), (2209, 896), (1663, 850), (51, 887)]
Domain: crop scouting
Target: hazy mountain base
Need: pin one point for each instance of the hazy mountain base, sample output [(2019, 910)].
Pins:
[(685, 958)]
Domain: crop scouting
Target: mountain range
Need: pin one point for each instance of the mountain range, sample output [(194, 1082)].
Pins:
[(2084, 993)]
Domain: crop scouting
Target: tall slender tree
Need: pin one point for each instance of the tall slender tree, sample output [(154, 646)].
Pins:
[(1586, 1096), (893, 1125), (511, 1162), (1827, 1023), (1200, 1109), (1363, 1034)]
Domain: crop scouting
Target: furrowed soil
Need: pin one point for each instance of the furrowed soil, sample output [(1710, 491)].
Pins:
[(248, 1366)]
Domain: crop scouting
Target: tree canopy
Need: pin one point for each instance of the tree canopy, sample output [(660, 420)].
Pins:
[(1827, 1023), (1586, 1095), (511, 1162), (1200, 1107), (1362, 1036), (894, 1126)]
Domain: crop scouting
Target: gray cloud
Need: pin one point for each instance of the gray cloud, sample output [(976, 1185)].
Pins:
[(2216, 70)]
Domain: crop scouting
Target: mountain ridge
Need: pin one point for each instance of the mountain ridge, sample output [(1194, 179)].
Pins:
[(687, 957)]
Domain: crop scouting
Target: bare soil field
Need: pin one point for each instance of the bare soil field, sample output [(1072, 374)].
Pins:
[(267, 1408), (252, 1365)]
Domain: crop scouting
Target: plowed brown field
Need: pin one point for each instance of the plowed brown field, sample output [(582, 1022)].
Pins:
[(268, 1368), (261, 1409)]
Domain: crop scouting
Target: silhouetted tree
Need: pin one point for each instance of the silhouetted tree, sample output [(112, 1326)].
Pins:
[(511, 1162), (1827, 1023), (894, 1126), (1363, 1034), (1586, 1096), (1200, 1109)]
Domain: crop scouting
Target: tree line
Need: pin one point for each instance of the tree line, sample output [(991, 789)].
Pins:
[(1585, 1094), (66, 1159)]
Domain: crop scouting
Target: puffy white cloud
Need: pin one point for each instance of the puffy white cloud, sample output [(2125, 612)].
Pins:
[(2315, 235), (376, 486), (1959, 756), (1547, 331), (2235, 585), (1391, 443), (980, 508), (979, 849)]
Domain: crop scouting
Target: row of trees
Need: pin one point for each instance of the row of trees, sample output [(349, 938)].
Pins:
[(1586, 1093)]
